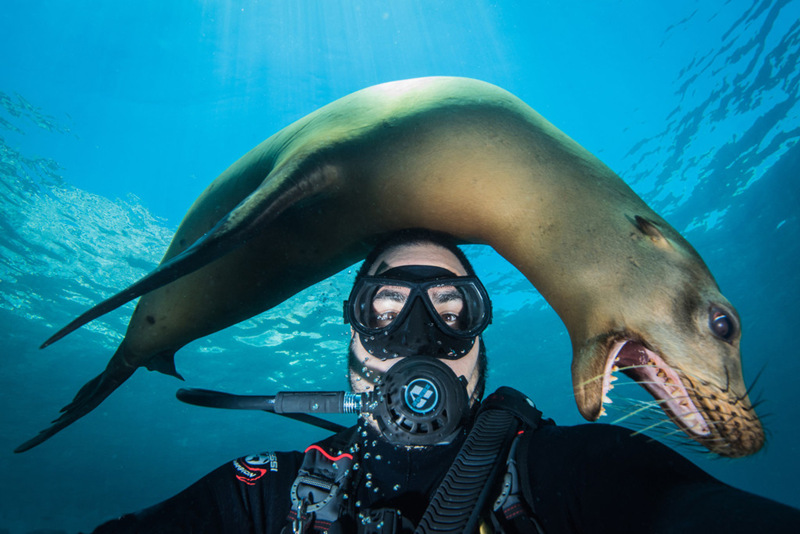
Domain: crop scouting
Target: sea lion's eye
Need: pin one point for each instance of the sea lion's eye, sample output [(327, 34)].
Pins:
[(721, 325)]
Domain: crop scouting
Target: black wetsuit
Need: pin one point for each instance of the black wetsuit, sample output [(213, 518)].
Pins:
[(588, 479)]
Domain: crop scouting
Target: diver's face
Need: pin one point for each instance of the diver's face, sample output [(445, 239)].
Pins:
[(365, 368)]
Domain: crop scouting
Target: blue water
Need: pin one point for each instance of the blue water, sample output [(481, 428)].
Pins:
[(115, 116)]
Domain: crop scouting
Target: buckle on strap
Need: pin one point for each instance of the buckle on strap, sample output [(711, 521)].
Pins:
[(309, 494), (319, 489)]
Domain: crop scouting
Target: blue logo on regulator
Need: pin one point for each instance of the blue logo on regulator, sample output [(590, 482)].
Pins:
[(421, 395)]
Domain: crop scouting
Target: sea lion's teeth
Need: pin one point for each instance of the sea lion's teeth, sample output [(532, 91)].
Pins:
[(614, 369), (603, 412), (606, 400), (613, 378)]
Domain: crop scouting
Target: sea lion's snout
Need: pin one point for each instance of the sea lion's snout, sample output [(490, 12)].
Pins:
[(712, 414)]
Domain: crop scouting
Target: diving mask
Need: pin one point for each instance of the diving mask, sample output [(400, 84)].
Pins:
[(418, 309)]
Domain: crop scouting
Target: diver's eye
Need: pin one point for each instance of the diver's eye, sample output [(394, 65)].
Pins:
[(450, 319), (384, 319), (721, 325)]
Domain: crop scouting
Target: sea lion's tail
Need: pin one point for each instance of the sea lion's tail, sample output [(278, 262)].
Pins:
[(88, 398)]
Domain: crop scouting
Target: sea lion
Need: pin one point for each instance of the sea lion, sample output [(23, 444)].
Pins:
[(467, 158)]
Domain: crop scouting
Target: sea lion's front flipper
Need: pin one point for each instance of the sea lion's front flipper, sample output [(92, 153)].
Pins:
[(275, 195), (88, 398)]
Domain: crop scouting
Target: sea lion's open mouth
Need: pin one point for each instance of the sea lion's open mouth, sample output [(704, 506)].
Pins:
[(659, 379)]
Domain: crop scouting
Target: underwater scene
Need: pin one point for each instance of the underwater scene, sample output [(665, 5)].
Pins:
[(115, 116)]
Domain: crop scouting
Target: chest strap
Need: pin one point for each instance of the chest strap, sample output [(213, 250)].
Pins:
[(318, 491)]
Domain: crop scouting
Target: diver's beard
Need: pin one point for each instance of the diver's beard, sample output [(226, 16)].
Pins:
[(361, 377)]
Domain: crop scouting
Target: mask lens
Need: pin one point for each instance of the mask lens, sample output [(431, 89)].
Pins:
[(459, 305), (373, 306), (382, 304)]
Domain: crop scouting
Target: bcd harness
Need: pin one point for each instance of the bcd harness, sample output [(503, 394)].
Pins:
[(502, 426)]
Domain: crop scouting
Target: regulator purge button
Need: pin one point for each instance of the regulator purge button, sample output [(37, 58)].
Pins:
[(421, 395)]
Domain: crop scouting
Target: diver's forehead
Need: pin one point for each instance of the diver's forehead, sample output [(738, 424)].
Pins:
[(418, 254)]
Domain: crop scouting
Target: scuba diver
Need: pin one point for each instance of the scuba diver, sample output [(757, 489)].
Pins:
[(429, 455)]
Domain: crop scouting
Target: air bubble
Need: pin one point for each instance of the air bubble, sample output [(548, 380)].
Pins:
[(396, 487)]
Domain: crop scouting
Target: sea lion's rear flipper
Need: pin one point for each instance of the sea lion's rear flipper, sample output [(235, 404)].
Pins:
[(164, 363), (87, 399)]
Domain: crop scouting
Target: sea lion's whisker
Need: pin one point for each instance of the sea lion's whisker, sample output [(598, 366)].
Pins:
[(654, 425), (590, 380), (635, 412), (754, 382), (648, 419), (756, 403)]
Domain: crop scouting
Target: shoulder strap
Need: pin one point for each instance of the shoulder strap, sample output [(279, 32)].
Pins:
[(517, 403), (460, 500), (514, 507)]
